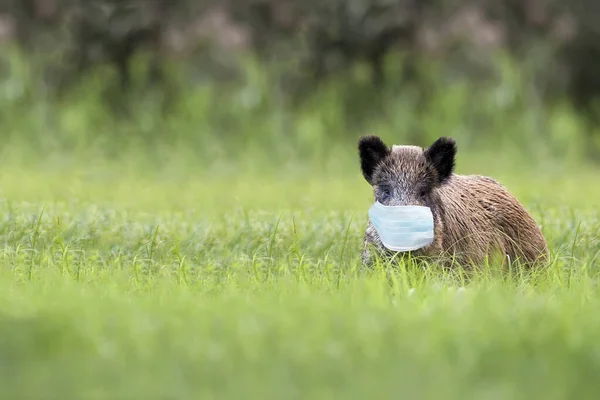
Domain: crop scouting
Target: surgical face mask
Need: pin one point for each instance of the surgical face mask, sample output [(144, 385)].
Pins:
[(402, 228)]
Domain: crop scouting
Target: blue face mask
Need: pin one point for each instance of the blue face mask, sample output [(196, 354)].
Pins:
[(402, 228)]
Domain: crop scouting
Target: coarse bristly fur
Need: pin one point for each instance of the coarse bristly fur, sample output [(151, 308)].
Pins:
[(474, 216)]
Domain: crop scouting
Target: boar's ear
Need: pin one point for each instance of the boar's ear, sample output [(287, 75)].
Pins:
[(441, 155), (371, 150)]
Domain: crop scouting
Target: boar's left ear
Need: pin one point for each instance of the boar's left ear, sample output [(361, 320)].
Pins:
[(441, 155), (371, 150)]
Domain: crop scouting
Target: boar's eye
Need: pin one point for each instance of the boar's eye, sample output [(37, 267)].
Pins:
[(385, 192), (423, 192)]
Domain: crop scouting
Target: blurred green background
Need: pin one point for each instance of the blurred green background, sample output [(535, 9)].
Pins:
[(281, 81), (181, 204)]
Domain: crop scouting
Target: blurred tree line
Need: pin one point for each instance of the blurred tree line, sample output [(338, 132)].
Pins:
[(310, 40)]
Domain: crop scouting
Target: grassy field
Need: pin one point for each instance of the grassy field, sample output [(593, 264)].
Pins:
[(187, 283), (213, 251)]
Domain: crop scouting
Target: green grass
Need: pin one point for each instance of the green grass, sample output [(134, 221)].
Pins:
[(183, 283), (213, 251)]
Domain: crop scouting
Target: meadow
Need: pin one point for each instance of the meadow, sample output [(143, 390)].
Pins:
[(206, 266)]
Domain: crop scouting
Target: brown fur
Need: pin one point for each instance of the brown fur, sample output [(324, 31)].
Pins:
[(474, 216)]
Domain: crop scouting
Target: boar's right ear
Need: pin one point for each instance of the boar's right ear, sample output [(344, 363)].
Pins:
[(441, 155), (371, 150)]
